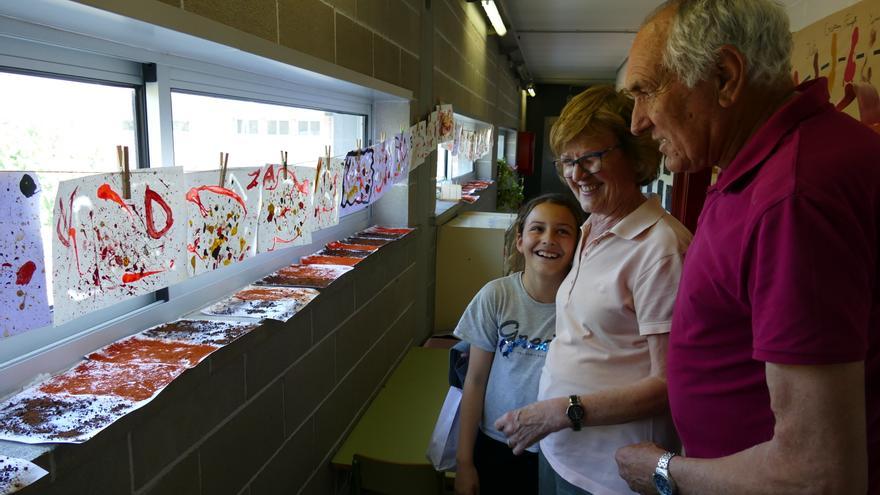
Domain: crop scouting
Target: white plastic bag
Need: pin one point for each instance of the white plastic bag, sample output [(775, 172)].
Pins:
[(444, 440)]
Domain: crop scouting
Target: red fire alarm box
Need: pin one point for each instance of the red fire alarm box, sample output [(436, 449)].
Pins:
[(525, 152)]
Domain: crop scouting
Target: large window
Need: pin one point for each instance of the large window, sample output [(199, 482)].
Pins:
[(254, 133), (62, 129)]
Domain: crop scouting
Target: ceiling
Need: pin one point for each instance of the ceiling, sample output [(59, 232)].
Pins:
[(575, 41)]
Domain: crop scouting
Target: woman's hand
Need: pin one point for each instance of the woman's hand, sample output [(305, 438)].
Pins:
[(527, 425), (467, 482)]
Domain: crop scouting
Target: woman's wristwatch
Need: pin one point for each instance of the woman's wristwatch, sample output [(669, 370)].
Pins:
[(575, 412), (662, 479)]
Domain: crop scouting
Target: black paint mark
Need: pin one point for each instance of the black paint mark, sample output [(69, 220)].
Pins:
[(825, 66), (860, 56), (27, 185), (877, 51), (841, 59)]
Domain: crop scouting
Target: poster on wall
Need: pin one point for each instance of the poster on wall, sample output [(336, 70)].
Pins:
[(844, 48), (327, 193), (221, 222), (357, 181), (107, 248), (285, 208), (24, 301)]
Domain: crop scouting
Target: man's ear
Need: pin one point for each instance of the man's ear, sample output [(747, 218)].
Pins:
[(731, 75)]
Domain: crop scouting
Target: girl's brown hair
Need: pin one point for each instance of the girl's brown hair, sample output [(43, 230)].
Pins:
[(513, 259)]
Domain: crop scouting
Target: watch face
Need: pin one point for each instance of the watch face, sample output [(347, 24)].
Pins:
[(662, 485), (575, 412)]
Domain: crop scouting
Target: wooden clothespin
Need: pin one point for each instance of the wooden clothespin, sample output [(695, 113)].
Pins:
[(224, 160), (122, 157), (382, 137), (284, 164), (358, 150)]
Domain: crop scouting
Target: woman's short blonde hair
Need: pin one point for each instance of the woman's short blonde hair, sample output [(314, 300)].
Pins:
[(603, 109)]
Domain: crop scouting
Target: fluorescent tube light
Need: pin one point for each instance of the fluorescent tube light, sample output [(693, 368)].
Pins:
[(494, 17), (530, 89)]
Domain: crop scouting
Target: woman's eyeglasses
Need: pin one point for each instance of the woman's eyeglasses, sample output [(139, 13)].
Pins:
[(589, 163)]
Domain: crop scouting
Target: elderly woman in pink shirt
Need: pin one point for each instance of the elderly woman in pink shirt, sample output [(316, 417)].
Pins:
[(603, 385)]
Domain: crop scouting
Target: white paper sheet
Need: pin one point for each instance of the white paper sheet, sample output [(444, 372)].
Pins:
[(221, 226), (36, 417), (381, 172), (263, 302), (357, 181), (327, 194), (445, 124), (106, 249), (285, 208), (16, 474), (23, 293)]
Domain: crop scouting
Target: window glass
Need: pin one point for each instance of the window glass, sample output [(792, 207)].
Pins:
[(254, 133), (63, 129), (442, 159), (459, 165)]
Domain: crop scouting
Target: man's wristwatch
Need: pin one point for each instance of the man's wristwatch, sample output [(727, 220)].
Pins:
[(662, 480), (575, 412)]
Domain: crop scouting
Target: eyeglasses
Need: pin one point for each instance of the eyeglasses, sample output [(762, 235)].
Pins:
[(589, 163)]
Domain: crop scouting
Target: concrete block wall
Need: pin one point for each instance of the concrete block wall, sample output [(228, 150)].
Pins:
[(469, 71), (266, 413), (378, 38)]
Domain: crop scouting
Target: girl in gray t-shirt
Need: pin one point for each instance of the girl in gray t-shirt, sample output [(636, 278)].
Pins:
[(509, 325)]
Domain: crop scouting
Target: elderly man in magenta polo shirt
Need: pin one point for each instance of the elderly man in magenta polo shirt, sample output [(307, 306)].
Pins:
[(774, 360)]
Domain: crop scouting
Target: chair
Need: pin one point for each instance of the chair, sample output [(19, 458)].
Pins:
[(374, 476)]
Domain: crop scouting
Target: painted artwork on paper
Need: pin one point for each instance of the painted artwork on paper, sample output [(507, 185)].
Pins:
[(420, 146), (221, 222), (445, 124), (327, 194), (16, 474), (381, 172), (200, 332), (106, 248), (402, 155), (37, 417), (24, 301), (316, 276), (357, 181), (844, 48), (262, 302), (432, 127), (132, 381), (285, 210)]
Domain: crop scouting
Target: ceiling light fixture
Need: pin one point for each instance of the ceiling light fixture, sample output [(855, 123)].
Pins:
[(530, 89), (494, 17)]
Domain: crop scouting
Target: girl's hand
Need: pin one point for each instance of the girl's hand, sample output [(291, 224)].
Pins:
[(527, 425), (467, 482)]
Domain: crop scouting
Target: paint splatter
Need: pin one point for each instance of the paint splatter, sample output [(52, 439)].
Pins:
[(107, 193), (27, 186), (25, 273), (150, 197)]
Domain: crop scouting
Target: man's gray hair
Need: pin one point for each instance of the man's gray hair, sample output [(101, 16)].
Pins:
[(757, 28)]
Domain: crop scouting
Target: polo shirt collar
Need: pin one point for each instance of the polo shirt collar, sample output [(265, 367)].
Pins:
[(811, 97), (640, 220)]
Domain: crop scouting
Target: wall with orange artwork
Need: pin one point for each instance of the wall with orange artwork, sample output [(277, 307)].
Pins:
[(842, 47)]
